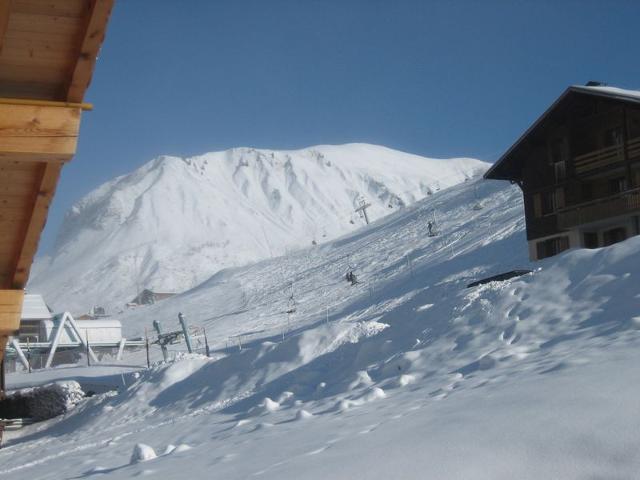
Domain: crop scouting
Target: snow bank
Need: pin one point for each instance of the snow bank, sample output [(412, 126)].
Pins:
[(408, 374), (143, 453)]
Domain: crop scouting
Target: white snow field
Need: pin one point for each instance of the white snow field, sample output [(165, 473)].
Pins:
[(174, 222), (411, 376)]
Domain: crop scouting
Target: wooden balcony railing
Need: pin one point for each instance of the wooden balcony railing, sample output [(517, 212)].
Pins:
[(598, 158), (606, 156), (633, 149), (619, 204)]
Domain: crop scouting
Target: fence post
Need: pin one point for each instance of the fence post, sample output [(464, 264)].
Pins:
[(29, 354), (86, 336), (206, 342), (146, 345)]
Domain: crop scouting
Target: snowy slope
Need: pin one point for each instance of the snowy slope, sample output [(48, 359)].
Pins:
[(174, 222), (407, 375)]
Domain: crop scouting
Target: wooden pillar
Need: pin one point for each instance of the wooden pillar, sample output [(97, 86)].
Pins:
[(3, 382), (35, 141), (10, 311)]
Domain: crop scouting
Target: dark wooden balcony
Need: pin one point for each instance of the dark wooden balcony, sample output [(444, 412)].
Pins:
[(607, 156), (600, 209)]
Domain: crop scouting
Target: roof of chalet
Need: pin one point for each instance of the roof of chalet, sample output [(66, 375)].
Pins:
[(48, 50), (498, 170), (35, 308), (82, 324), (148, 292)]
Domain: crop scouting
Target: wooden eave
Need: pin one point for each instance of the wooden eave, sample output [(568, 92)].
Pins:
[(48, 50)]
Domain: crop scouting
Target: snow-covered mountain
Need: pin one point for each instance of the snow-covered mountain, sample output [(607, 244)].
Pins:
[(174, 222)]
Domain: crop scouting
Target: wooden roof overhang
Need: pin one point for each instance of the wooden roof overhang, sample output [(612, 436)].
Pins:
[(510, 165), (48, 50)]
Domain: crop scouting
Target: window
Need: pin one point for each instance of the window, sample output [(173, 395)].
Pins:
[(29, 331), (617, 185), (590, 239), (560, 171), (546, 203), (612, 137), (552, 201), (552, 246), (537, 205), (633, 123), (614, 235), (558, 151), (587, 191)]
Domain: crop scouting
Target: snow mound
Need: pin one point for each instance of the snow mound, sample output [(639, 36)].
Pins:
[(142, 453), (303, 415)]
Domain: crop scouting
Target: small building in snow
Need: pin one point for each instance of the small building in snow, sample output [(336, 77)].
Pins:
[(149, 297), (34, 312), (96, 332), (39, 324), (95, 312)]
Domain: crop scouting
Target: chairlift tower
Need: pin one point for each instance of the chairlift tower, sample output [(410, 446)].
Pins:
[(362, 207)]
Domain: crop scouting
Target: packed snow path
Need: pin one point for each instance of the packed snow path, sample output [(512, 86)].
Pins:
[(412, 376)]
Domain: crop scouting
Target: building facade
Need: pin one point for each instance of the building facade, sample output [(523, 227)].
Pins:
[(578, 167), (34, 312)]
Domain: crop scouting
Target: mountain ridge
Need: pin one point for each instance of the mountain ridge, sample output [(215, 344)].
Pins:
[(174, 222)]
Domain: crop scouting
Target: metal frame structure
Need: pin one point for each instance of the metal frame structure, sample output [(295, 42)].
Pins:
[(67, 321)]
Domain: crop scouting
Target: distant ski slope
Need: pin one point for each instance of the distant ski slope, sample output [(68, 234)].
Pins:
[(174, 222), (408, 374)]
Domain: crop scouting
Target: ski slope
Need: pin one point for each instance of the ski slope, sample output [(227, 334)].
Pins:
[(174, 222), (408, 374)]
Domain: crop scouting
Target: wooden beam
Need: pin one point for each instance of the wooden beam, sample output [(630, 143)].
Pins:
[(42, 200), (64, 8), (94, 33), (45, 103), (10, 312), (28, 158), (5, 10), (40, 130)]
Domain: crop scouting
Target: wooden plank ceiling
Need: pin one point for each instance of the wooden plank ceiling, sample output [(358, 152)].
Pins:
[(48, 50)]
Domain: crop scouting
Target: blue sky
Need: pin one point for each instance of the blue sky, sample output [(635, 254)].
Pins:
[(441, 78)]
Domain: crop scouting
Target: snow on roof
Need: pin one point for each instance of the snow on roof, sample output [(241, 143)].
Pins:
[(89, 324), (609, 91), (496, 171), (35, 308)]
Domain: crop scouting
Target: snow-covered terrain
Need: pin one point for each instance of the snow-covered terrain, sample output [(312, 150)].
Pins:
[(174, 222), (406, 375)]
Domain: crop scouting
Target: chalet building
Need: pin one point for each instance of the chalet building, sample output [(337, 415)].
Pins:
[(95, 313), (34, 312), (149, 297), (578, 167)]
